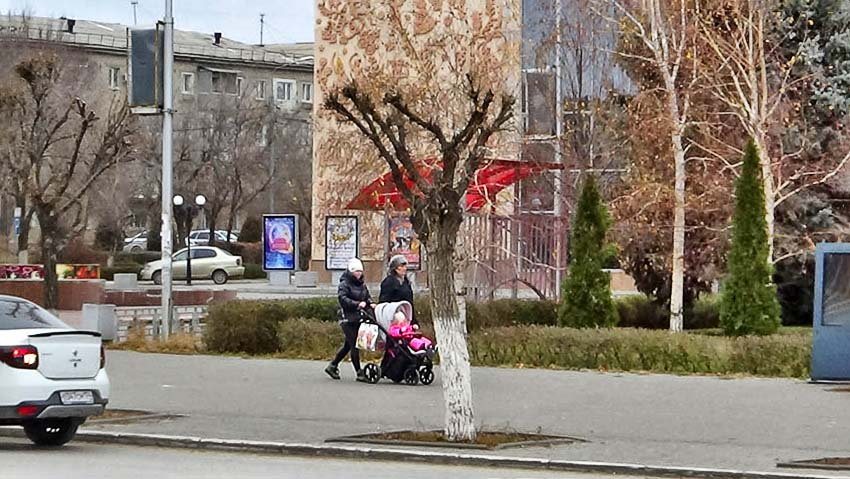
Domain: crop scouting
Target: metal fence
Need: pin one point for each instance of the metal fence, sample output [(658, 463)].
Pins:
[(520, 252), (145, 320)]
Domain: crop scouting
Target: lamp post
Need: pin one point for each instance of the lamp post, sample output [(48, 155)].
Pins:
[(187, 213)]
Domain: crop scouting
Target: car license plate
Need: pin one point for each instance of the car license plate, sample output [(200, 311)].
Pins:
[(76, 397)]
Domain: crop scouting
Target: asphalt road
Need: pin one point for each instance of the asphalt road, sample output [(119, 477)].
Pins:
[(86, 461)]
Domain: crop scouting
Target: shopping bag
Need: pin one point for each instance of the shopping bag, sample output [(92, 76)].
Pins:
[(367, 337)]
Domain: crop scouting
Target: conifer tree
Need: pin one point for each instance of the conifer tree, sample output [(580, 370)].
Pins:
[(586, 299), (749, 304)]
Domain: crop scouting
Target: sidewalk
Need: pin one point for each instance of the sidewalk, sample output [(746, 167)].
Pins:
[(691, 422)]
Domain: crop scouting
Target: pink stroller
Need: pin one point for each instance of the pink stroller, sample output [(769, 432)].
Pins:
[(408, 355)]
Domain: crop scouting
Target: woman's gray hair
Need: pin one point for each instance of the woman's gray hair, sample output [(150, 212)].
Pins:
[(396, 261)]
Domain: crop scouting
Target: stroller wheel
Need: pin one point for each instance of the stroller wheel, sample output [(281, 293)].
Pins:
[(411, 377), (372, 373), (426, 375)]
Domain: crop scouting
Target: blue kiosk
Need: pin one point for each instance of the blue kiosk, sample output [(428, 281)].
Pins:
[(831, 340)]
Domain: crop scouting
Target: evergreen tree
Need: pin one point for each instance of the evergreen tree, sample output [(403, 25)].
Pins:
[(749, 304), (586, 299)]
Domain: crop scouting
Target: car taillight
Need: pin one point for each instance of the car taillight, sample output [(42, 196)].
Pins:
[(19, 357), (102, 356), (238, 261)]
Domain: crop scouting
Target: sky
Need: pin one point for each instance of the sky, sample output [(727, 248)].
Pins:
[(286, 21)]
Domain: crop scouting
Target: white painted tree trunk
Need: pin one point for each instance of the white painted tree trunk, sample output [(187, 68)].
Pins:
[(677, 289), (449, 315)]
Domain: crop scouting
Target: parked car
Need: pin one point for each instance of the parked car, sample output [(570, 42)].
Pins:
[(208, 262), (137, 243), (202, 237), (53, 377)]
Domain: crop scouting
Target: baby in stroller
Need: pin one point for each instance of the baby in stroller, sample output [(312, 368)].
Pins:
[(402, 330), (408, 355)]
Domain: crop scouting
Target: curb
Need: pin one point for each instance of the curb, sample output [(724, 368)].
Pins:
[(430, 457)]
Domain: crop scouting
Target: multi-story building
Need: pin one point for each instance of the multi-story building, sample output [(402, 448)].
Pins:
[(206, 66)]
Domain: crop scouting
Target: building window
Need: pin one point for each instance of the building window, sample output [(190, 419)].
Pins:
[(114, 78), (224, 82), (239, 82), (284, 90), (261, 90), (188, 84), (307, 92)]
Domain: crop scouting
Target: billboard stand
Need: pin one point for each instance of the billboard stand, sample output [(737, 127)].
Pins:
[(280, 278), (342, 242), (280, 248)]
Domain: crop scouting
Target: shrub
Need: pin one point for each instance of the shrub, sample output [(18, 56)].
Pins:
[(241, 327), (251, 253), (254, 271), (108, 273), (705, 313), (108, 236), (641, 350), (78, 252), (252, 230), (640, 311), (510, 312), (138, 258), (587, 289), (749, 304)]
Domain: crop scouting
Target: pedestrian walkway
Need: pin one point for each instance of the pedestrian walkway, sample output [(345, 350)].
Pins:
[(703, 422)]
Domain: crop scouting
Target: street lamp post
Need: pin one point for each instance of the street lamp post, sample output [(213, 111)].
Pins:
[(188, 212)]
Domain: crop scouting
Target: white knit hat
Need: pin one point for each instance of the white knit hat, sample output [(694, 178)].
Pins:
[(355, 264)]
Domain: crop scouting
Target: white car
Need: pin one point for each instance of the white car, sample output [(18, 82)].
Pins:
[(137, 243), (202, 237), (53, 377), (208, 262)]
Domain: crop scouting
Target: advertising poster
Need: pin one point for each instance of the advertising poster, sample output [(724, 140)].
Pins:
[(280, 242), (342, 241), (403, 240)]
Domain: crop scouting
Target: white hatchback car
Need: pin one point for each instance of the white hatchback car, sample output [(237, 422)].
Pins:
[(53, 377)]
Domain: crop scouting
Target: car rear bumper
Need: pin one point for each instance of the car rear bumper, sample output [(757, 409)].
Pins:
[(235, 271), (52, 407)]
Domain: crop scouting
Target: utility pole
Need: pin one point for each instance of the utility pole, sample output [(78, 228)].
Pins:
[(167, 171), (134, 3), (262, 24)]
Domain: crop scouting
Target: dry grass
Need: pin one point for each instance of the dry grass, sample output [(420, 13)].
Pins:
[(176, 344)]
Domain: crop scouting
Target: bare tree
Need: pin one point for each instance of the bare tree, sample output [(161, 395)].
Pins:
[(66, 145), (662, 32), (436, 207)]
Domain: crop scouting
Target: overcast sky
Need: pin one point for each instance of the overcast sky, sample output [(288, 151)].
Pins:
[(287, 21)]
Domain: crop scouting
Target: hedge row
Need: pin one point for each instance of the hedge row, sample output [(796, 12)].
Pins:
[(634, 312), (622, 349)]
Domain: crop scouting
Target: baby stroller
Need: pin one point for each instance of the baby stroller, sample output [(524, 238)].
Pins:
[(408, 355)]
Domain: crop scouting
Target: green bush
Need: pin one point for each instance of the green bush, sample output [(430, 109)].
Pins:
[(251, 253), (619, 349), (241, 327), (138, 258), (254, 271), (705, 313), (108, 273), (252, 230), (641, 350), (640, 311)]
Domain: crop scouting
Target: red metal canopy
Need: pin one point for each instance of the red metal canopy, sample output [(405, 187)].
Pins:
[(494, 176)]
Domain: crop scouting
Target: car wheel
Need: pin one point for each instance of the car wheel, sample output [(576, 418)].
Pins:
[(157, 278), (136, 249), (51, 432), (219, 276)]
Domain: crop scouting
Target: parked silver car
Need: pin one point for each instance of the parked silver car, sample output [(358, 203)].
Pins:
[(202, 237), (207, 263), (137, 243)]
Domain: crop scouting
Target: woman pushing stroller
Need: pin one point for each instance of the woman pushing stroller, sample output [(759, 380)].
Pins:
[(354, 297)]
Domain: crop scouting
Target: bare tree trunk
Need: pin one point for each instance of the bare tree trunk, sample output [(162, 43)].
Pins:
[(49, 232), (769, 190), (678, 284), (450, 327)]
